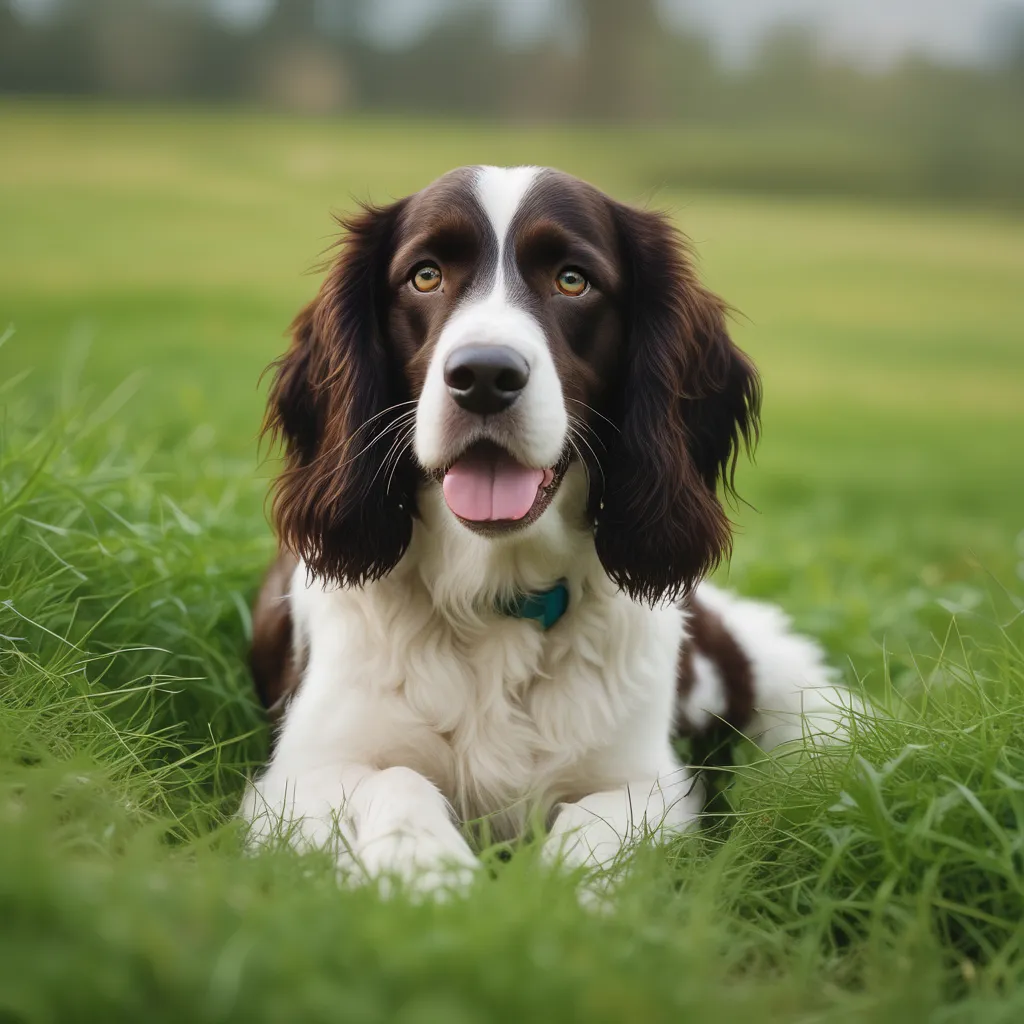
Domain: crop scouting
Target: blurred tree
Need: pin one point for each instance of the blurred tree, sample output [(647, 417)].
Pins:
[(44, 56), (918, 128), (302, 59), (619, 38), (1010, 46), (787, 72), (456, 67), (141, 47)]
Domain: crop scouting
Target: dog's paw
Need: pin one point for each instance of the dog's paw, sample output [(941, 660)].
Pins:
[(420, 865)]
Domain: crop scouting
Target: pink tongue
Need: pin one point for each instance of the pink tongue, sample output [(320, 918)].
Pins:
[(482, 488)]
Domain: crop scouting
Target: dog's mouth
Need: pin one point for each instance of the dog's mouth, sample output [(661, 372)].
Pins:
[(491, 492)]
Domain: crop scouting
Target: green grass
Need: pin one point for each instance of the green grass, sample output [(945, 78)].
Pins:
[(149, 262)]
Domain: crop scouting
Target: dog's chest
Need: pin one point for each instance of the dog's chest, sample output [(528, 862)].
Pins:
[(501, 705), (518, 711), (503, 717)]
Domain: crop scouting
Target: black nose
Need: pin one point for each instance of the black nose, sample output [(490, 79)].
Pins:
[(485, 378)]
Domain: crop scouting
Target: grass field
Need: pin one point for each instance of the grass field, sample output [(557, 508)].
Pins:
[(149, 263)]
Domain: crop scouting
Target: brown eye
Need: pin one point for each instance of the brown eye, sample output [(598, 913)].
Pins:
[(427, 278), (572, 282)]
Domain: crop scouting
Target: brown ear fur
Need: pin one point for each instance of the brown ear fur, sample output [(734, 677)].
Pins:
[(345, 502), (689, 397)]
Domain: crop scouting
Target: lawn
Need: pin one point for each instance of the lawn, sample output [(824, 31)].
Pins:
[(149, 263)]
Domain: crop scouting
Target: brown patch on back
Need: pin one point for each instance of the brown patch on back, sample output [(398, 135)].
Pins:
[(271, 656), (708, 636)]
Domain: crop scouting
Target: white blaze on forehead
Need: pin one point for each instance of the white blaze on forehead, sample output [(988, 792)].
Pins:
[(500, 191), (534, 429)]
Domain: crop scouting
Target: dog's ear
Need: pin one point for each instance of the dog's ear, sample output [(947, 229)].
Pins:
[(688, 398), (345, 501)]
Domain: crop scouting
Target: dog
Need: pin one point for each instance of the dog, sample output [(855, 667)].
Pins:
[(506, 418)]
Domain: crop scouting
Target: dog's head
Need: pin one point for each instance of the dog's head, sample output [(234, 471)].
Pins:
[(482, 335)]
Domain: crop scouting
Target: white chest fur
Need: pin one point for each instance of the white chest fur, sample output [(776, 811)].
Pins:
[(500, 715)]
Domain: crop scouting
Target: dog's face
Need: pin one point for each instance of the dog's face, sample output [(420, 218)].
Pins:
[(506, 310), (480, 336)]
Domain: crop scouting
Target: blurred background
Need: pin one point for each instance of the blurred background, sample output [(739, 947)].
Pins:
[(851, 174), (904, 98)]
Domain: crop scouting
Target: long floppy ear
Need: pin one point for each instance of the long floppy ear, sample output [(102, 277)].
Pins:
[(345, 501), (688, 398)]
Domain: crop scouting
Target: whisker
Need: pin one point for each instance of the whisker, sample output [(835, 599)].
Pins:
[(596, 413), (400, 421), (383, 412), (583, 461), (410, 434), (597, 461), (343, 442), (586, 428), (396, 449)]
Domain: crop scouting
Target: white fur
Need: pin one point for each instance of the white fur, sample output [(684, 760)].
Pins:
[(419, 672), (422, 706)]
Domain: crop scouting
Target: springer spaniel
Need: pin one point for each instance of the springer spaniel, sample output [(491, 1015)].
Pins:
[(506, 415)]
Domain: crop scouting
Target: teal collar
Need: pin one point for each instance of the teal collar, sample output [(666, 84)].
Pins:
[(543, 606)]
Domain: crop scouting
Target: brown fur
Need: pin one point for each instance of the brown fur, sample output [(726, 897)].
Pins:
[(333, 402), (272, 655), (688, 398), (707, 635)]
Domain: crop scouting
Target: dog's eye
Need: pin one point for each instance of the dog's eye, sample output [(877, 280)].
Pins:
[(427, 278), (571, 282)]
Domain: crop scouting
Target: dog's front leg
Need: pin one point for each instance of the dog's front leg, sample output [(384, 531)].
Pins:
[(384, 826), (597, 831)]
